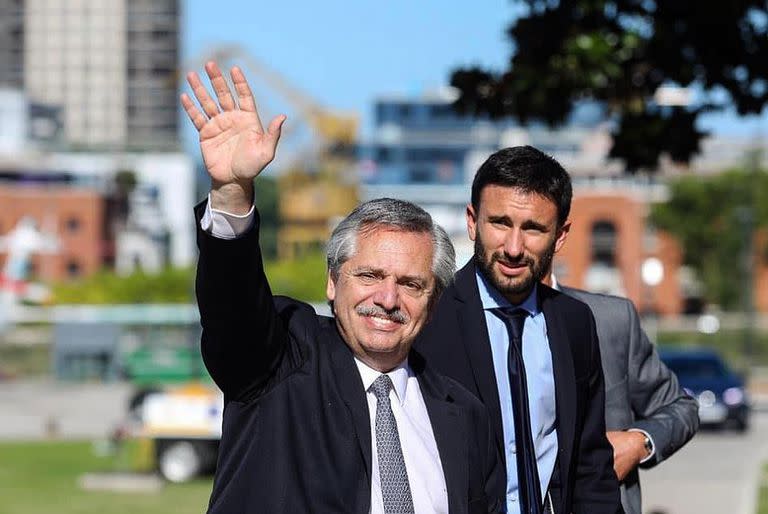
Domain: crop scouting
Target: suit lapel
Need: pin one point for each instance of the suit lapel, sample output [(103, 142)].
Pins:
[(474, 337), (565, 379), (449, 427), (352, 392)]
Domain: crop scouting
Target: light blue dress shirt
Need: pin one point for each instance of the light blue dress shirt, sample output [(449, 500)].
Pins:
[(537, 359)]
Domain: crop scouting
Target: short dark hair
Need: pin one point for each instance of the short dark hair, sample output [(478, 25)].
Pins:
[(528, 169)]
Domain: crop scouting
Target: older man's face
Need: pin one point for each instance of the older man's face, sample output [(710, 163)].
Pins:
[(381, 297)]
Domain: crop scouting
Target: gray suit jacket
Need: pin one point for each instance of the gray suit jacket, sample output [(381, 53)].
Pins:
[(640, 391)]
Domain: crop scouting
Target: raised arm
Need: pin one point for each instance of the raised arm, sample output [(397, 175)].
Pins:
[(244, 341)]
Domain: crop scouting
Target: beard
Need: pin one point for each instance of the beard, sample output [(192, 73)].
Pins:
[(538, 266)]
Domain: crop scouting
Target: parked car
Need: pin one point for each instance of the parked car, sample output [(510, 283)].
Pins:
[(721, 393)]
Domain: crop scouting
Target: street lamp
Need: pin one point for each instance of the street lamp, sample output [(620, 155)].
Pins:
[(652, 273)]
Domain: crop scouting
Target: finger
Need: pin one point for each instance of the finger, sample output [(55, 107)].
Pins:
[(208, 105), (244, 94), (275, 128), (198, 118), (220, 86)]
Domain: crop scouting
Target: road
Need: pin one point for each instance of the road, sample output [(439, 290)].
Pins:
[(38, 409), (715, 473)]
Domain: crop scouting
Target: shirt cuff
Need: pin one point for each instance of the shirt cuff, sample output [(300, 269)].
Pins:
[(225, 225), (653, 445)]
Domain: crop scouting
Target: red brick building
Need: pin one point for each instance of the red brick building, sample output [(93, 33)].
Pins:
[(610, 240), (75, 216)]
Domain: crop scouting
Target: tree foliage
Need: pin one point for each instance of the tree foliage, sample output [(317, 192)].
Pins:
[(303, 279), (707, 215), (172, 285), (618, 52), (267, 200)]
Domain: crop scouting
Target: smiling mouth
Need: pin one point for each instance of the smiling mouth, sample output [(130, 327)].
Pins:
[(509, 268), (382, 318), (382, 323)]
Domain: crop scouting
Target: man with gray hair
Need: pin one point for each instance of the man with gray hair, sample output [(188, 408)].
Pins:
[(328, 414)]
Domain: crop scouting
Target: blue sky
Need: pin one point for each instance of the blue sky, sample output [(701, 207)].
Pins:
[(346, 53)]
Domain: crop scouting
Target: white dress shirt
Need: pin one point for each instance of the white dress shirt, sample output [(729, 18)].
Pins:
[(223, 224), (422, 459)]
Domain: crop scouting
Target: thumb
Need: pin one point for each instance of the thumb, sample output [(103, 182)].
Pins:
[(275, 127)]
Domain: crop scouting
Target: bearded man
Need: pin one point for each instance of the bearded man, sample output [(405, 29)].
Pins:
[(528, 352)]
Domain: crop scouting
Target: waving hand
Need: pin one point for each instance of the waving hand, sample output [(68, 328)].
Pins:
[(233, 142)]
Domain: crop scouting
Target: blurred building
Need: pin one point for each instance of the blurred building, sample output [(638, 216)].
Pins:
[(77, 198), (71, 214), (422, 151), (148, 226), (11, 43), (25, 125), (109, 65)]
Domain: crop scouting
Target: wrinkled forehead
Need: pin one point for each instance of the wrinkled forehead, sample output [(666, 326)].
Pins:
[(400, 249)]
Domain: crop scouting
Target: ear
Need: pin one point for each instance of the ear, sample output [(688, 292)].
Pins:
[(471, 221), (330, 289), (562, 235)]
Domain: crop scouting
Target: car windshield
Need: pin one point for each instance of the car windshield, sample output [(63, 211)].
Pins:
[(697, 367)]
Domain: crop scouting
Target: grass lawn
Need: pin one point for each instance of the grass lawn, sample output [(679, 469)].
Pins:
[(762, 500), (42, 477)]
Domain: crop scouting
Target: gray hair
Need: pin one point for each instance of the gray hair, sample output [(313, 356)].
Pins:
[(400, 215)]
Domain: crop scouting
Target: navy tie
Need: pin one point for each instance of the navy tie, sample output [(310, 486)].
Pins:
[(527, 471)]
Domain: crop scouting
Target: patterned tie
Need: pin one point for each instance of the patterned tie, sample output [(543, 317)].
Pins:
[(527, 471), (392, 473)]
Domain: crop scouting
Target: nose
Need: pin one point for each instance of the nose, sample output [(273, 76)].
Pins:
[(513, 243), (386, 295)]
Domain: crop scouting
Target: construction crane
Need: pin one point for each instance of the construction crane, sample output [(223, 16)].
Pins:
[(320, 188)]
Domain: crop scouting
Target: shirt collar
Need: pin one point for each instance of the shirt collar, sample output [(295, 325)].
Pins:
[(491, 298), (555, 284), (399, 377)]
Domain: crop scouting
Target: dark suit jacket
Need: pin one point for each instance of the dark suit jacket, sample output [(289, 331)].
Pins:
[(640, 391), (296, 430), (456, 343)]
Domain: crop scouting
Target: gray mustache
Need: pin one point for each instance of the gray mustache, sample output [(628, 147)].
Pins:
[(396, 315)]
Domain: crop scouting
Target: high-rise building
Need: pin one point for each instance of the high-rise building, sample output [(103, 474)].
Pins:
[(11, 44), (110, 65)]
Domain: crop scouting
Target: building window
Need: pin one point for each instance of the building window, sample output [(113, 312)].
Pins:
[(383, 154), (73, 224), (604, 243), (73, 268)]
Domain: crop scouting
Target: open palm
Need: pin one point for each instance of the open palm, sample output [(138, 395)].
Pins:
[(234, 145)]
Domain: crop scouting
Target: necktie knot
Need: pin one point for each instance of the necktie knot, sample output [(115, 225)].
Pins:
[(381, 387), (514, 318)]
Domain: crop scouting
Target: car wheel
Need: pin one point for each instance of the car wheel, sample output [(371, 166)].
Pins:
[(178, 461)]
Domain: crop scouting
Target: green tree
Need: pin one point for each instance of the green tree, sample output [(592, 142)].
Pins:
[(618, 52), (706, 216), (267, 200), (302, 278), (172, 285)]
